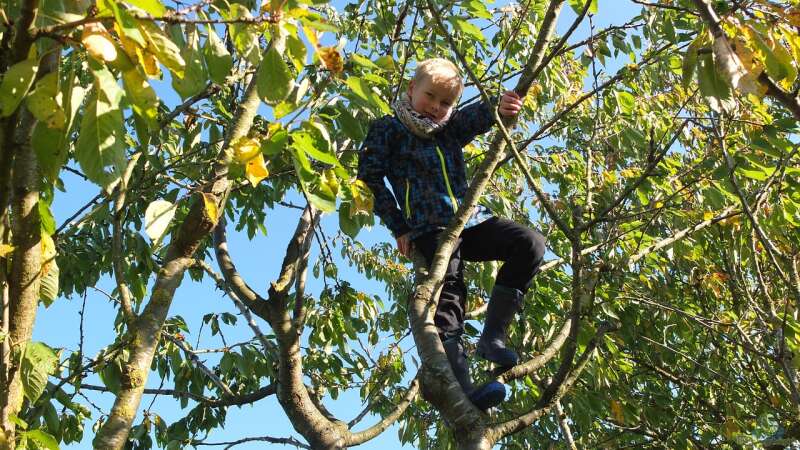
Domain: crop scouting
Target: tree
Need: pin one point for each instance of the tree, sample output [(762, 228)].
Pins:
[(667, 189)]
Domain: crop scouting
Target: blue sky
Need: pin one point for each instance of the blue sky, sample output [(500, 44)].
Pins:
[(259, 261)]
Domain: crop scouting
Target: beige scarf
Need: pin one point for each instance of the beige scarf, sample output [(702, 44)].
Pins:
[(417, 123)]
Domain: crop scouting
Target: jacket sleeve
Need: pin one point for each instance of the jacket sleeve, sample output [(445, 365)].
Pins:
[(372, 168), (471, 121)]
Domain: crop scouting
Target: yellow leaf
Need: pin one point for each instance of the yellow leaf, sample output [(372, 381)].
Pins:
[(48, 253), (616, 411), (609, 177), (256, 169), (245, 149), (146, 60), (312, 36), (627, 173), (729, 428), (5, 249), (98, 42), (331, 59), (329, 179), (362, 198), (210, 206), (708, 215)]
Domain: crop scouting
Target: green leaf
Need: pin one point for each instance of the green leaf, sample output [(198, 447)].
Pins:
[(689, 64), (348, 226), (142, 97), (163, 47), (50, 154), (626, 101), (467, 28), (713, 85), (244, 36), (194, 76), (477, 9), (758, 174), (111, 375), (362, 90), (38, 362), (578, 5), (128, 24), (16, 82), (154, 7), (42, 102), (48, 222), (42, 439), (48, 289), (218, 60), (157, 217), (100, 147), (363, 62), (275, 80), (778, 61)]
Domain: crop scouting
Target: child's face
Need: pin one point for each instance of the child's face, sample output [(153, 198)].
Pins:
[(433, 100)]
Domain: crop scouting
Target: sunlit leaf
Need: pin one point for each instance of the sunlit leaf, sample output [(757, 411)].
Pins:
[(16, 82), (157, 217)]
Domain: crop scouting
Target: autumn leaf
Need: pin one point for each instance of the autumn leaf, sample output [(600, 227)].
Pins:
[(98, 42), (48, 253), (245, 149), (210, 207), (5, 250), (256, 169), (362, 198), (616, 411), (331, 59)]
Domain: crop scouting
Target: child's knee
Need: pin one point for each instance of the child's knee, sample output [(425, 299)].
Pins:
[(534, 245)]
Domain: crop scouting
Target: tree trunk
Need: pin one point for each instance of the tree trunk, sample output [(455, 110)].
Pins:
[(23, 283)]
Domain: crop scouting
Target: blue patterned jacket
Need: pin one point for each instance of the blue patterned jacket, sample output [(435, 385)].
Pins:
[(428, 176)]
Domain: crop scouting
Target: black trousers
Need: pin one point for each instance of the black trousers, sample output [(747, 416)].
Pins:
[(520, 248)]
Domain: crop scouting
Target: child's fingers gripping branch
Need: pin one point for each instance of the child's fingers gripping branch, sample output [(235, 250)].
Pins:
[(404, 245), (510, 104)]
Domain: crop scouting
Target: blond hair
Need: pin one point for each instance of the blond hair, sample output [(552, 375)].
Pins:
[(439, 70)]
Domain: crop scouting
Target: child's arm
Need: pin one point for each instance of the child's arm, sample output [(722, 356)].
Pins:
[(372, 168), (478, 118)]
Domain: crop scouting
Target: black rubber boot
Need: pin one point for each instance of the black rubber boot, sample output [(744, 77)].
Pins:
[(483, 397), (503, 304)]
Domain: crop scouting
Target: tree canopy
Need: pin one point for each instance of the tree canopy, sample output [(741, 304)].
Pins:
[(659, 157)]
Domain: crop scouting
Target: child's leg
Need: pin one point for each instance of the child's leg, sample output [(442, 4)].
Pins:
[(521, 250), (449, 319)]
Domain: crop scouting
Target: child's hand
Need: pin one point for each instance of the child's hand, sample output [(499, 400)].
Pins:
[(404, 245), (510, 104)]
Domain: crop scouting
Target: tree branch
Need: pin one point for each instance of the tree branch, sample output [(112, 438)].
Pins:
[(373, 431)]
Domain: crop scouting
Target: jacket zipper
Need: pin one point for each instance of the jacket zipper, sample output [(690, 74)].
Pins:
[(446, 180), (408, 208)]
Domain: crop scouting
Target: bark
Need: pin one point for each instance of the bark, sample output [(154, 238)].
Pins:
[(23, 282), (23, 39), (146, 330)]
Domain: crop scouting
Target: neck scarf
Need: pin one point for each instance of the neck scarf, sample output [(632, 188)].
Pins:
[(417, 123)]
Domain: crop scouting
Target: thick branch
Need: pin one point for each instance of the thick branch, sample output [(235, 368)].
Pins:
[(373, 431), (147, 329)]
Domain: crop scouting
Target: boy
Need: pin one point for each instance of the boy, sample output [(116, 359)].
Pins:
[(419, 150)]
